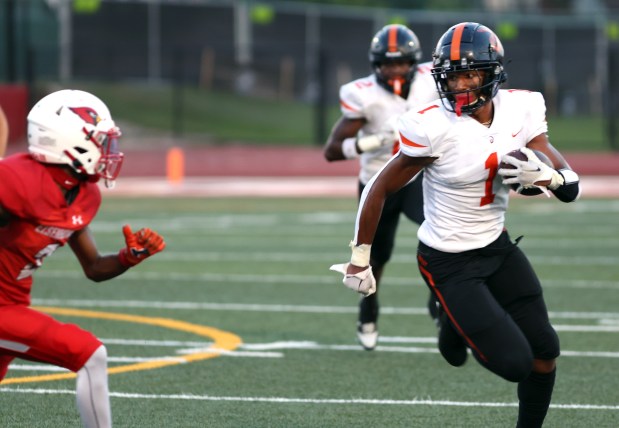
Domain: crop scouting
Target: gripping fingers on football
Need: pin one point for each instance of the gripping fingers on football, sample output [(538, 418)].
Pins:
[(362, 282), (521, 186), (139, 245), (528, 172)]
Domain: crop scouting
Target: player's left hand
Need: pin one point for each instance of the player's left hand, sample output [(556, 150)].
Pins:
[(362, 282), (528, 173), (388, 135), (139, 245)]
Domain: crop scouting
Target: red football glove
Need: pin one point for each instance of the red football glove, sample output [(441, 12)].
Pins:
[(140, 245)]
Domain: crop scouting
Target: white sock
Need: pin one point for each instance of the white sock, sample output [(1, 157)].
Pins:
[(93, 400)]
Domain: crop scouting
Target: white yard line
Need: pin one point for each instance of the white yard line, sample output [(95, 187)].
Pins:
[(293, 400), (274, 350)]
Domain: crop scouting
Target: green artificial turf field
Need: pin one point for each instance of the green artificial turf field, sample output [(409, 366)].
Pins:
[(251, 277)]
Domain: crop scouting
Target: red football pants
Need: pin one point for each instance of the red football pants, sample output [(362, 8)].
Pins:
[(32, 335)]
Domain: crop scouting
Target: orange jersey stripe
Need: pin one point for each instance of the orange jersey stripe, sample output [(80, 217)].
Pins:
[(396, 148), (408, 142), (347, 107), (455, 42), (393, 39)]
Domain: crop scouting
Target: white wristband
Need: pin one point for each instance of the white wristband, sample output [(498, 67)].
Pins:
[(360, 254), (369, 143), (349, 148)]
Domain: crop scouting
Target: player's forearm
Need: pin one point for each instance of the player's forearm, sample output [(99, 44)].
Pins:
[(361, 245), (368, 215), (104, 268), (334, 151), (391, 178)]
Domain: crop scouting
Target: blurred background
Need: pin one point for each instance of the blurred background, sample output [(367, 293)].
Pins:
[(213, 72)]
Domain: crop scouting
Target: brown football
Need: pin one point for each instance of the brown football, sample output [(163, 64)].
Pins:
[(519, 155)]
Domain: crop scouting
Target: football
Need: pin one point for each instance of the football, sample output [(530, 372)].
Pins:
[(521, 156)]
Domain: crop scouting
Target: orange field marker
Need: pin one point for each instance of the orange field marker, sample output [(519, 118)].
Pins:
[(175, 165)]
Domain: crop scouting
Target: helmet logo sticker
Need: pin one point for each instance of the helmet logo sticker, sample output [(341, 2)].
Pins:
[(87, 114)]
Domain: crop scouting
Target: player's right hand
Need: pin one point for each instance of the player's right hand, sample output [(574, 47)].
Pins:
[(362, 282), (139, 245)]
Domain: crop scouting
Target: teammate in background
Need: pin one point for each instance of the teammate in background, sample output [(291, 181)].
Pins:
[(4, 133), (47, 199), (491, 299), (367, 131)]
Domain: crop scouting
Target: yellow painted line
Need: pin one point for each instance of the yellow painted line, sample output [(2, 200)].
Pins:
[(223, 341)]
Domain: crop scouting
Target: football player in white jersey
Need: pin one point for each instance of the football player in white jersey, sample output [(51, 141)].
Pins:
[(367, 131), (491, 299)]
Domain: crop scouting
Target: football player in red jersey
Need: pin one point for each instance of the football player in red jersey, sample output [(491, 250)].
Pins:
[(367, 132), (491, 298), (48, 197)]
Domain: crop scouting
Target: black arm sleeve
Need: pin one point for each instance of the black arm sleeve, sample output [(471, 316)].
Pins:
[(570, 189)]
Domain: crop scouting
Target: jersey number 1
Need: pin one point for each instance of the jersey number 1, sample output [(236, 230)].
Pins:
[(492, 164)]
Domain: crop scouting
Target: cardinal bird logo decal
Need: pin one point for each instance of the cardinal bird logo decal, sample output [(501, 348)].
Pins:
[(87, 114)]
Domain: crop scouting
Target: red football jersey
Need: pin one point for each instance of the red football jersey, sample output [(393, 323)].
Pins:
[(40, 221)]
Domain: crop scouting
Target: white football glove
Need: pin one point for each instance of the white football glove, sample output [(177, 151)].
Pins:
[(370, 143), (529, 172), (362, 282), (386, 136)]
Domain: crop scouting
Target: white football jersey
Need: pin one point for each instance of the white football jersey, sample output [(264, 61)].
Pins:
[(365, 99), (464, 199)]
